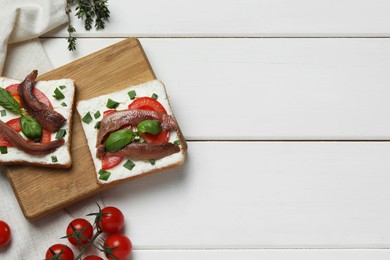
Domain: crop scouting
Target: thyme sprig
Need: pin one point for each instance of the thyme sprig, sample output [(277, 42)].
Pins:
[(90, 11)]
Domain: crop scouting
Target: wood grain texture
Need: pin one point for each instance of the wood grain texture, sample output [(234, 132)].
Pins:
[(273, 89), (42, 191), (263, 195), (243, 18)]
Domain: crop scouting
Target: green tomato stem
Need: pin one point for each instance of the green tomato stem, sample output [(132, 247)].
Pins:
[(90, 243)]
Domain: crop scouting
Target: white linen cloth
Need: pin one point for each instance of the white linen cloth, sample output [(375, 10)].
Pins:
[(21, 23)]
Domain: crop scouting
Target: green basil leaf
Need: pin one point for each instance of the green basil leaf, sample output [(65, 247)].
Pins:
[(149, 126), (129, 165), (54, 159), (119, 139), (104, 175), (31, 128), (8, 102)]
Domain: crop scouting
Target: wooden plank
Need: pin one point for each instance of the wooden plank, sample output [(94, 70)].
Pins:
[(268, 88), (263, 195), (42, 191), (265, 254), (249, 18)]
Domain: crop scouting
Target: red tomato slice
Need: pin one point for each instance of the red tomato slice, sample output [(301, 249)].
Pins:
[(15, 124), (147, 103), (107, 112), (46, 136), (13, 89), (111, 161)]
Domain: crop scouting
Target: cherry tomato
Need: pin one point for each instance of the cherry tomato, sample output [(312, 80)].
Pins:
[(81, 229), (59, 251), (117, 246), (13, 89), (93, 257), (112, 220), (147, 103), (111, 161), (5, 234)]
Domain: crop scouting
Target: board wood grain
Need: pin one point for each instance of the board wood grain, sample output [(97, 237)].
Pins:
[(41, 191)]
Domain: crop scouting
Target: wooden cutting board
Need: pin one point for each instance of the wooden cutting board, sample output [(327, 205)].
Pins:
[(41, 191)]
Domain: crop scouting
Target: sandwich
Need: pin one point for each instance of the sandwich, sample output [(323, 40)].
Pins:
[(35, 121), (132, 133)]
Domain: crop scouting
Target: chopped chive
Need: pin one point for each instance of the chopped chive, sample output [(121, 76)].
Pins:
[(155, 96), (112, 104), (129, 165), (63, 104), (62, 86), (54, 158), (152, 161), (3, 112), (87, 118), (97, 115), (60, 134), (97, 125), (132, 94), (104, 175), (3, 149), (177, 142), (58, 94)]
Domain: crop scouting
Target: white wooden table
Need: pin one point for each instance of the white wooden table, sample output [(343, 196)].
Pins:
[(286, 108)]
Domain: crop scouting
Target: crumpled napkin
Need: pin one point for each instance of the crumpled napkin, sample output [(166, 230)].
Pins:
[(21, 23)]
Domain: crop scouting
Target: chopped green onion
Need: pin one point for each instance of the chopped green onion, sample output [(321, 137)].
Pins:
[(54, 159), (129, 165), (60, 134), (152, 161), (58, 94), (155, 96), (97, 115), (3, 149), (62, 87), (3, 112), (132, 94), (63, 104), (87, 118), (104, 175), (97, 125), (112, 104), (177, 142)]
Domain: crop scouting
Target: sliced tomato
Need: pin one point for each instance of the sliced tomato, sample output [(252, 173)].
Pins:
[(13, 89), (111, 161), (159, 138), (15, 124), (147, 103), (107, 112), (46, 136)]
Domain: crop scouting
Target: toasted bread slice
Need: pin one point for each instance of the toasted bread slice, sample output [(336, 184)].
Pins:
[(60, 158), (98, 105)]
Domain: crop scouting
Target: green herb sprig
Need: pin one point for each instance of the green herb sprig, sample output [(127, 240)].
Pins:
[(89, 11)]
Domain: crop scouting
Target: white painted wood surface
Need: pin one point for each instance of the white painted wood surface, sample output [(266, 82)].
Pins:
[(263, 195), (269, 88), (243, 200), (245, 18)]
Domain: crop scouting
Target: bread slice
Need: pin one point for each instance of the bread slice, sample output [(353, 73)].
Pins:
[(63, 106), (142, 167)]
